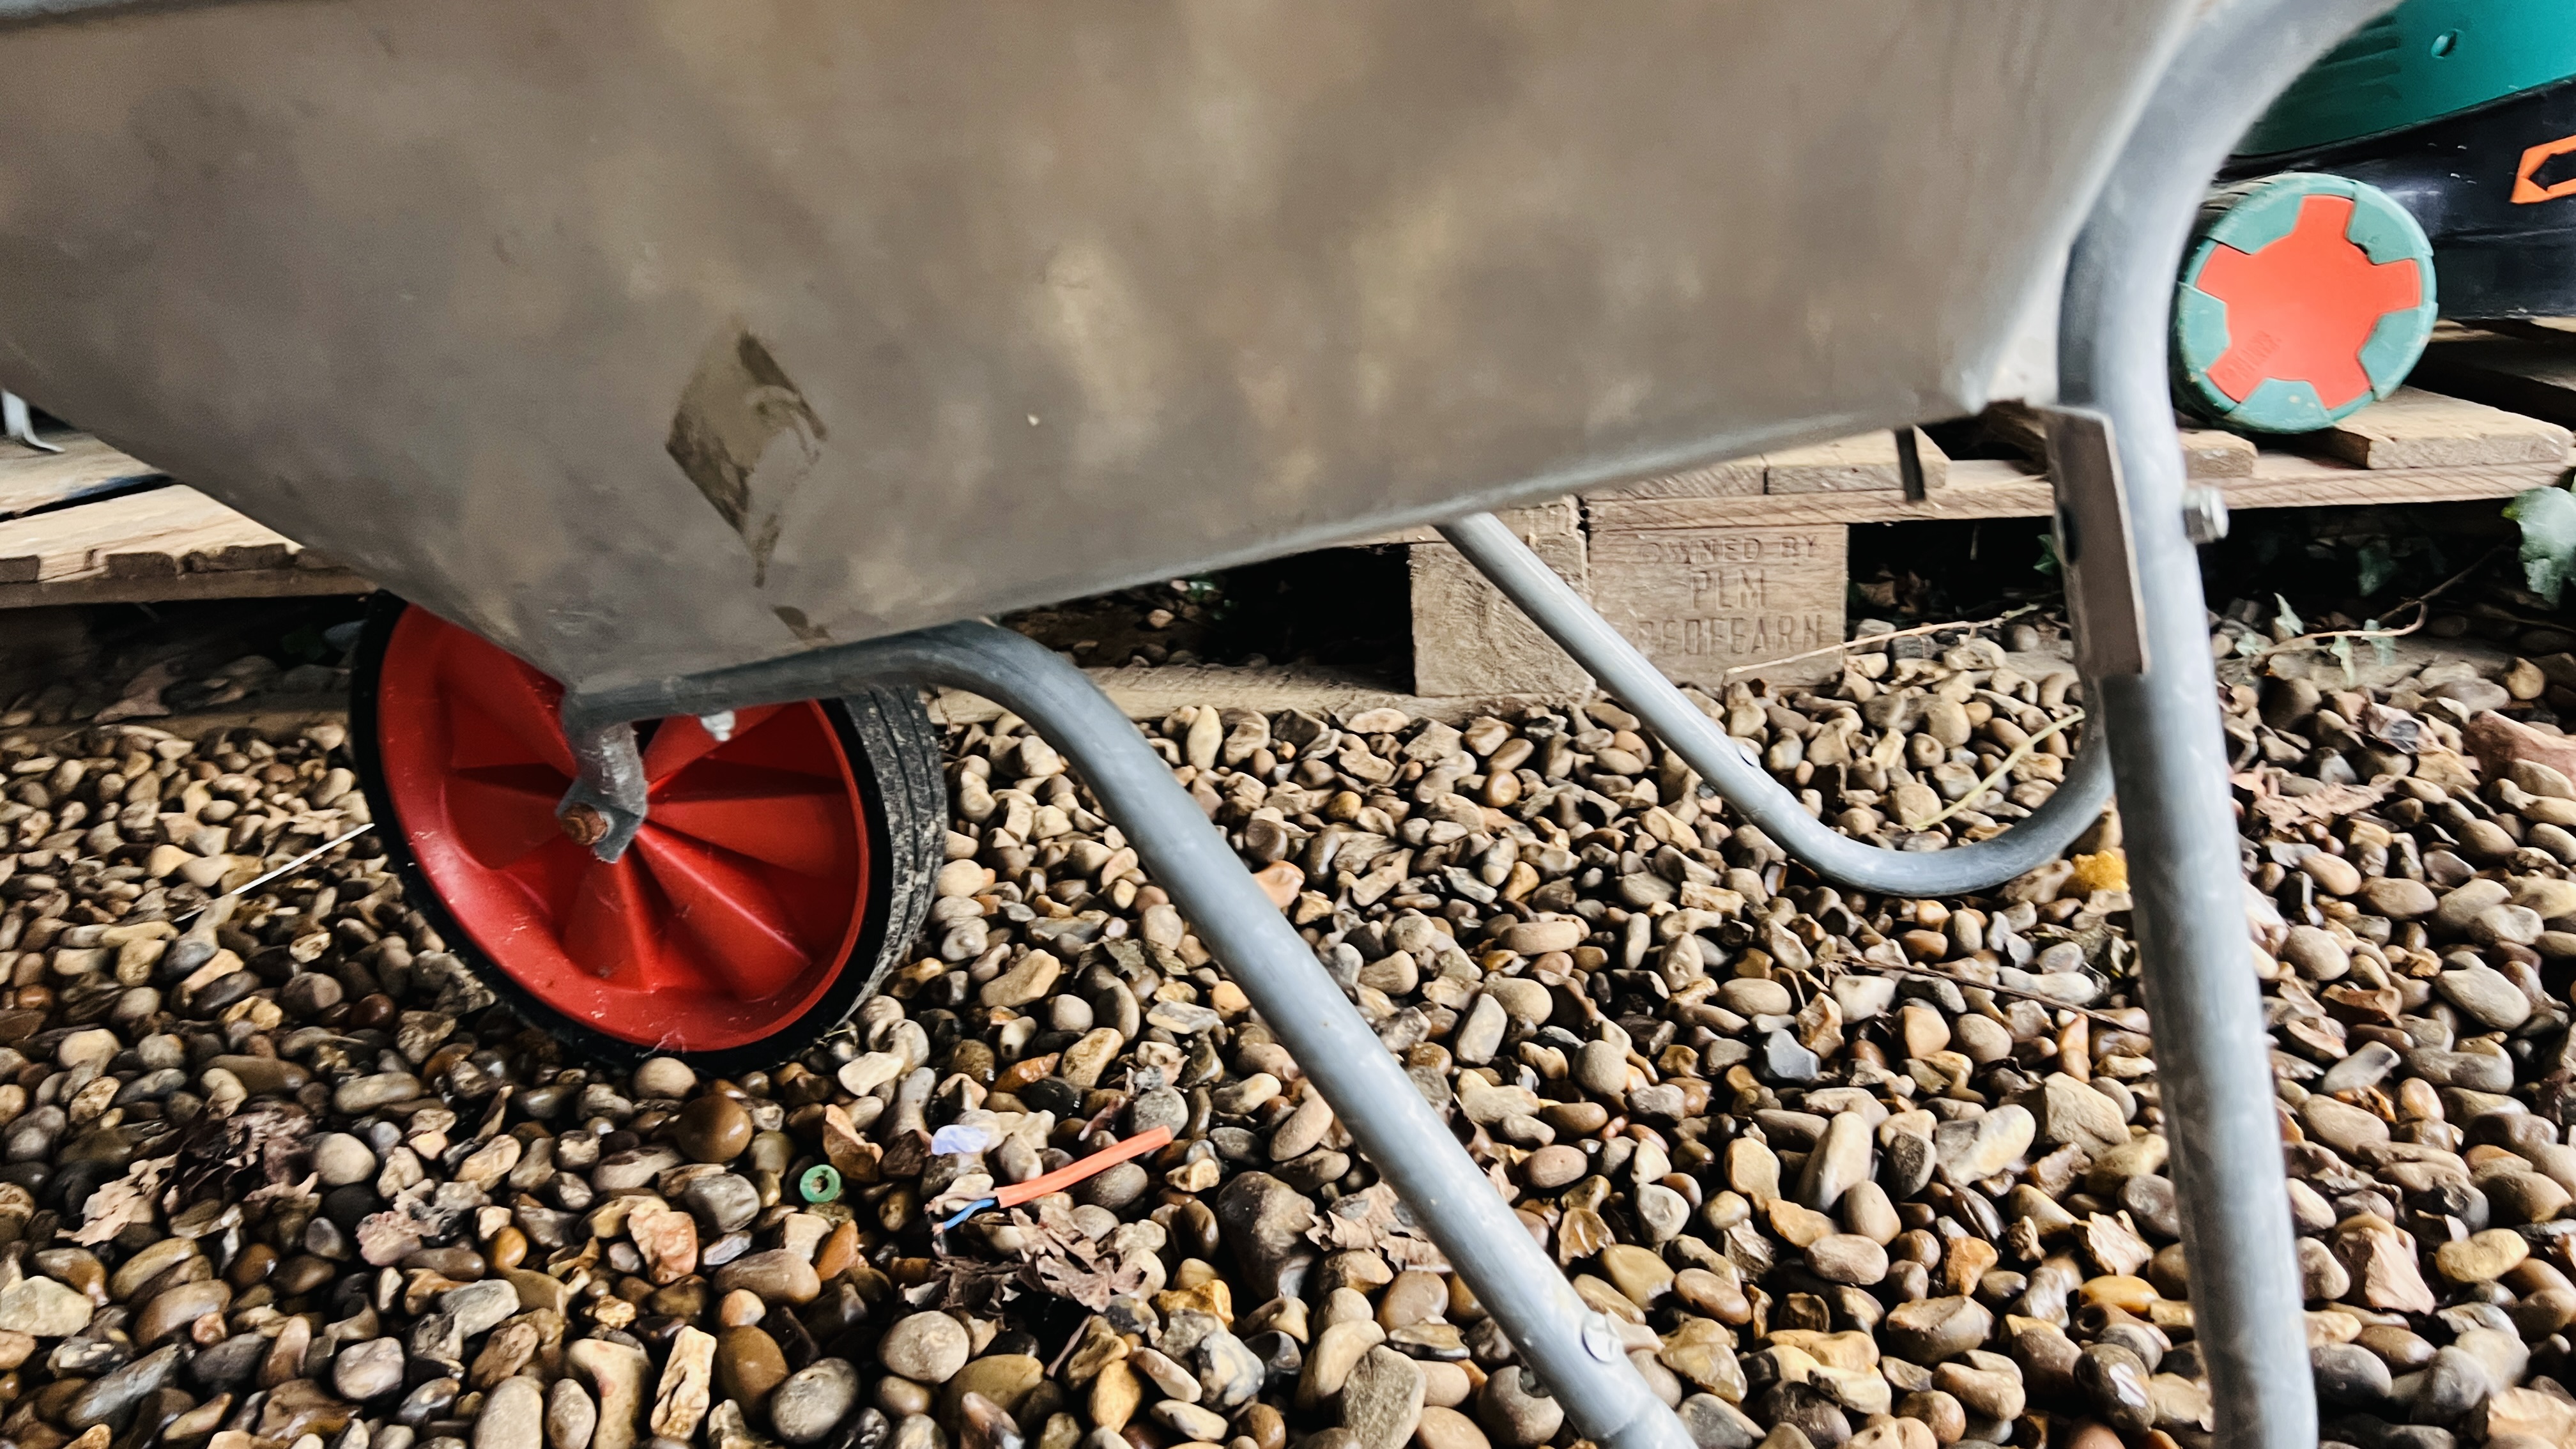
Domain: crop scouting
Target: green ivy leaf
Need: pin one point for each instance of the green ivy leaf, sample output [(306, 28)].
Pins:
[(2548, 519), (2290, 616), (2382, 647), (2378, 566), (2342, 651)]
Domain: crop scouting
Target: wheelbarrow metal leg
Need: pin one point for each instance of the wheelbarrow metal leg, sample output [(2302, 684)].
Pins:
[(1556, 608), (1575, 1351), (2137, 595), (2162, 722)]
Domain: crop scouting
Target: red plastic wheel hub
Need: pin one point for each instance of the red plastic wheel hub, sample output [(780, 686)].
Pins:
[(741, 898), (2302, 308)]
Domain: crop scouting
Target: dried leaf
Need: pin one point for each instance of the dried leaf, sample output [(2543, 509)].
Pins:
[(2331, 803), (1089, 1285), (121, 1204), (299, 1192), (1375, 1219), (964, 1284), (1058, 1258)]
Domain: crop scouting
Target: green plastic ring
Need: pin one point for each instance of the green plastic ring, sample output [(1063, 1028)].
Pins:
[(820, 1183)]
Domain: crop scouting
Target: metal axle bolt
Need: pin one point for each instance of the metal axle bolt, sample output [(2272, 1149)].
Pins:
[(583, 824)]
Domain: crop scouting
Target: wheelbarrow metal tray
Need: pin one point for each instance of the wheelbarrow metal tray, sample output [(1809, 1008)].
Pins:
[(645, 338)]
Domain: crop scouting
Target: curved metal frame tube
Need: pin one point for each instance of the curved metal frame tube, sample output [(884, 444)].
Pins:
[(1577, 1352), (1554, 606)]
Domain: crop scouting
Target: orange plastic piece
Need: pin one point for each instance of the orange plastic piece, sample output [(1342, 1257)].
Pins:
[(1073, 1172), (2527, 191)]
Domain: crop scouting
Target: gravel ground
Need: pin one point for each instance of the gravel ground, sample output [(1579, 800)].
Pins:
[(1847, 1169)]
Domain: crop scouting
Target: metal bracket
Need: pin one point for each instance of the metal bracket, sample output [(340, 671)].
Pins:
[(2094, 543), (606, 804)]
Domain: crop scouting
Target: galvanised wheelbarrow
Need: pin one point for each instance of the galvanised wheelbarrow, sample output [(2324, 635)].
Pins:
[(699, 364)]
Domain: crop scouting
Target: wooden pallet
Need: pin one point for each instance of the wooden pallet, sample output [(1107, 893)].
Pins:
[(85, 468), (1706, 583), (90, 525), (1744, 562)]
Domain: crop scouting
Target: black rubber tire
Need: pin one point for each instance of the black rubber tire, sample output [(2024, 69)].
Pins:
[(894, 748)]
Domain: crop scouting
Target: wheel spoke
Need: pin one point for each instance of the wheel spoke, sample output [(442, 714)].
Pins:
[(682, 741), (743, 932), (773, 817), (515, 703), (502, 813), (608, 931)]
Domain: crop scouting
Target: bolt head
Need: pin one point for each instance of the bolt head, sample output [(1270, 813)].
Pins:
[(583, 824)]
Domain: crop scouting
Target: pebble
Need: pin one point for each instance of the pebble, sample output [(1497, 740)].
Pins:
[(713, 1128), (43, 1308), (513, 1416), (1382, 1399), (1516, 1410), (615, 1373), (571, 1416), (2486, 995), (364, 1370), (927, 1348), (2481, 1257), (811, 1402), (340, 1159)]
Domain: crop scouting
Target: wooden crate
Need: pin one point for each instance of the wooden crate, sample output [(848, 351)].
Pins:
[(90, 525), (1700, 599)]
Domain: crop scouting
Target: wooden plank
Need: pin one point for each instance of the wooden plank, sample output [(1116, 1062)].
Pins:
[(2210, 453), (1699, 601), (123, 536), (1977, 488), (2206, 452), (2412, 428), (1986, 488), (31, 480), (1734, 478), (180, 588), (2287, 480), (1862, 464), (1555, 516), (2534, 378)]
